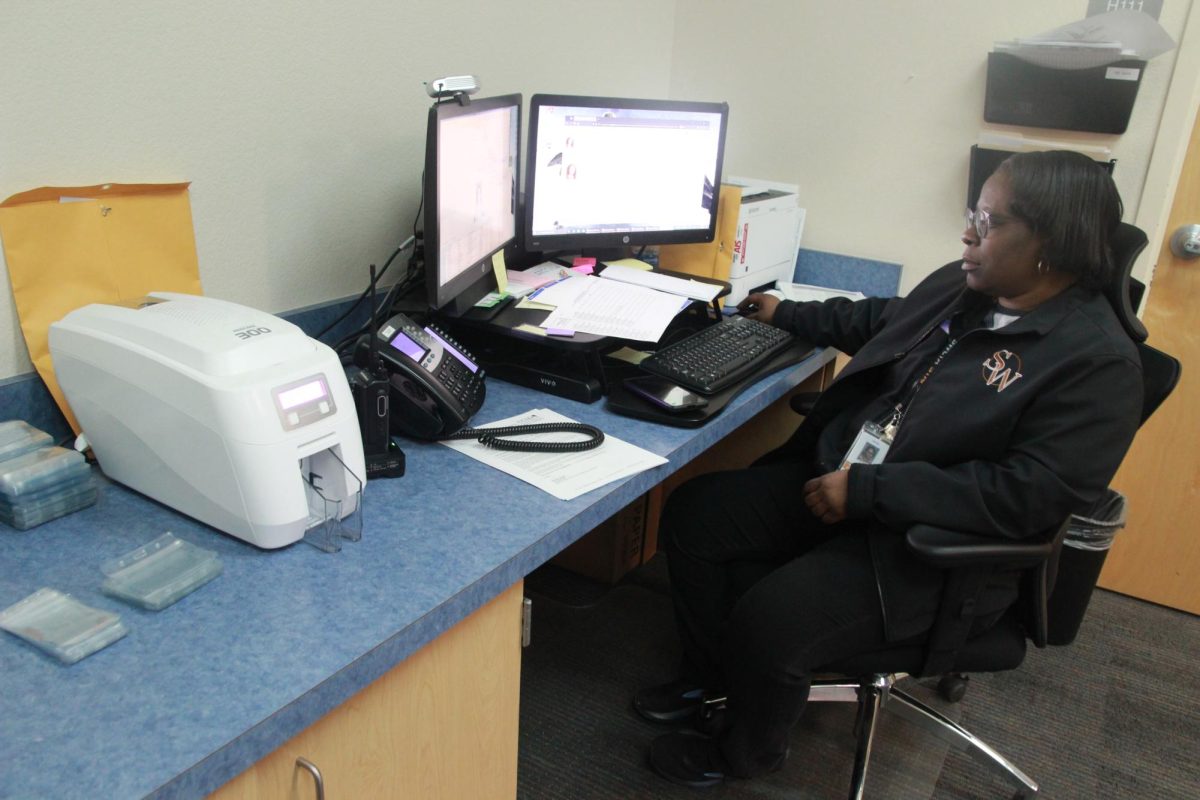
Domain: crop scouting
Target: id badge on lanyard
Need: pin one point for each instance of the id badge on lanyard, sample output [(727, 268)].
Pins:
[(870, 446), (872, 443)]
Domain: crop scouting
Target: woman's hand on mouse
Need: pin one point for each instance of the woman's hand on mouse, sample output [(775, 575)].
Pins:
[(759, 306)]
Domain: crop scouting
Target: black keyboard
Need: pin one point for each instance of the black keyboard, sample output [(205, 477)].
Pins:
[(720, 355)]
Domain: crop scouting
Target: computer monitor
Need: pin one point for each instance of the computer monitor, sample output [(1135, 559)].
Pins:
[(472, 166), (605, 173)]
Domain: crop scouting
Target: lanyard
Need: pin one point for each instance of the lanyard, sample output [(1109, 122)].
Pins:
[(901, 408)]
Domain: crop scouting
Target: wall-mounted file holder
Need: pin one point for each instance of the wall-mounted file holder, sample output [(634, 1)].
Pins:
[(1096, 99)]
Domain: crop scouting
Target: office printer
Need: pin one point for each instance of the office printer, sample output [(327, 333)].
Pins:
[(230, 415), (767, 241), (759, 226)]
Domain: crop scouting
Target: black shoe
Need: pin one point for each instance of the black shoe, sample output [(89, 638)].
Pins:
[(688, 759), (670, 702)]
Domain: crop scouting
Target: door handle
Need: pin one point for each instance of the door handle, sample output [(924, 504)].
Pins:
[(311, 768), (1185, 242)]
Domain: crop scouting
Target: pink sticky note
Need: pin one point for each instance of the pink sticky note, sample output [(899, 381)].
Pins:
[(584, 265), (559, 332)]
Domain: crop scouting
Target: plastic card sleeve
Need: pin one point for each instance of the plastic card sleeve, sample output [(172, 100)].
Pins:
[(61, 625)]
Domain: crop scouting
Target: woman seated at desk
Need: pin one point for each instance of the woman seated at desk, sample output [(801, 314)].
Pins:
[(996, 398)]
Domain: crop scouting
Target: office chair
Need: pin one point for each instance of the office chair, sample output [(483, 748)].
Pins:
[(969, 558)]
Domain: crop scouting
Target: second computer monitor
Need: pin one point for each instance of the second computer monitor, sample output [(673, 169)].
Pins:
[(605, 172), (472, 164)]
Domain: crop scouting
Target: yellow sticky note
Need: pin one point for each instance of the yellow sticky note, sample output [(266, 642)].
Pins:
[(632, 263), (629, 355), (501, 271), (533, 305)]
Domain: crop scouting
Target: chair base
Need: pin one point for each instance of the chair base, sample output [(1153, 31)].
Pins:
[(880, 692)]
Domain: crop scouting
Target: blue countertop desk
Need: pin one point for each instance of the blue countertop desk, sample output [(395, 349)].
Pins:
[(198, 692)]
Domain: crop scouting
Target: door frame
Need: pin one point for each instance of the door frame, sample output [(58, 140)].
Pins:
[(1170, 147)]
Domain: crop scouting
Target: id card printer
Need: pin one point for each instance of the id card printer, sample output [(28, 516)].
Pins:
[(227, 414)]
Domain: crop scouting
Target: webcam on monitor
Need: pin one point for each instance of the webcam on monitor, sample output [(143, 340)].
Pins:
[(440, 88)]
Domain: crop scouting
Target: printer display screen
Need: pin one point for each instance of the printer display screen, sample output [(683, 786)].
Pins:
[(305, 393), (304, 401)]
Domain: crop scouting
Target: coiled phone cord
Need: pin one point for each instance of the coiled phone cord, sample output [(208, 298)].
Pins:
[(494, 437)]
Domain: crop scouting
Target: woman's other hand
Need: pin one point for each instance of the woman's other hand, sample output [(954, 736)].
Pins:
[(826, 496)]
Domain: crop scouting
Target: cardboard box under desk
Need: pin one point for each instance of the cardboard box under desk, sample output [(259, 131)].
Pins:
[(610, 549)]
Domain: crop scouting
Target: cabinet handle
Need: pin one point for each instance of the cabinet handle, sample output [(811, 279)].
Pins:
[(526, 621), (304, 763)]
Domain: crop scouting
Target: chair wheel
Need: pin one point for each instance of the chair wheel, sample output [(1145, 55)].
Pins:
[(952, 687)]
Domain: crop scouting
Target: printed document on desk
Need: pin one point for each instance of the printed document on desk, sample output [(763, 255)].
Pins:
[(564, 475), (696, 290), (804, 293), (609, 308)]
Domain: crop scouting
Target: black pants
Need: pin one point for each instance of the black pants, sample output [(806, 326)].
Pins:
[(764, 594)]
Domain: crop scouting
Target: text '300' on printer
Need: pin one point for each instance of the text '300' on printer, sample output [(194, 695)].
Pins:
[(228, 414)]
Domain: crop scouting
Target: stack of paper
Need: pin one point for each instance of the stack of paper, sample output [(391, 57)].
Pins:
[(623, 301), (1094, 41), (804, 293)]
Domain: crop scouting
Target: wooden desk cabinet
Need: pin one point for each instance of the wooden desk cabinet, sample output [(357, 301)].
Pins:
[(441, 724)]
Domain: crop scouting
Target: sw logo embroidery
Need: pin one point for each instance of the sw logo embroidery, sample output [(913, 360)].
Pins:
[(1002, 370)]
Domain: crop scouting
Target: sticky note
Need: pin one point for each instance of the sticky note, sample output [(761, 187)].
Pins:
[(489, 300), (583, 265), (559, 332), (632, 263), (629, 355), (501, 271)]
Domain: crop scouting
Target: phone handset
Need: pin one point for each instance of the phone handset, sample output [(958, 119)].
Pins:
[(436, 384)]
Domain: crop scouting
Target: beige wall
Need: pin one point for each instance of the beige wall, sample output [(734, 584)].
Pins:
[(301, 123), (872, 106)]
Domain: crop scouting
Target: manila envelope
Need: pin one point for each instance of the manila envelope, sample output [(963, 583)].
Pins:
[(68, 247), (710, 259)]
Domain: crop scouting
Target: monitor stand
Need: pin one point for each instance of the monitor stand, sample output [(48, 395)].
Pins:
[(569, 367)]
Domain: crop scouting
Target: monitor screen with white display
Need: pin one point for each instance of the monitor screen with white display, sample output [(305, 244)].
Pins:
[(472, 166), (605, 173)]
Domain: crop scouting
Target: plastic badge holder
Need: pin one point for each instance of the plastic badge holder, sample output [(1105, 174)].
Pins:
[(25, 513), (157, 574), (18, 437), (72, 483), (40, 469), (62, 626)]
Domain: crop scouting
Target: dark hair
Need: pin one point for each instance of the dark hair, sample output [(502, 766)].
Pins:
[(1072, 202)]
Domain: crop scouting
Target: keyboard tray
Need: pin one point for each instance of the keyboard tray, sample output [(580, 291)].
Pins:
[(718, 356), (622, 401)]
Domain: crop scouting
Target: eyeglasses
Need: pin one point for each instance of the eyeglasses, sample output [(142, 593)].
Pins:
[(981, 221)]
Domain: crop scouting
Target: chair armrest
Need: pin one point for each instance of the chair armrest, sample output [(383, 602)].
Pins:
[(946, 548), (802, 402)]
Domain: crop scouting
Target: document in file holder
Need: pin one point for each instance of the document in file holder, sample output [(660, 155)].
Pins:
[(1083, 76)]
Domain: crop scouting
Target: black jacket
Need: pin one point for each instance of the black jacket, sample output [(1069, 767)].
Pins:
[(1015, 429)]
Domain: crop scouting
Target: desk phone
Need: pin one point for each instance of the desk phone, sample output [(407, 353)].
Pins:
[(436, 386)]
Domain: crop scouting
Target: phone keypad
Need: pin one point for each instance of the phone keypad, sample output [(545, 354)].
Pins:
[(466, 386)]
